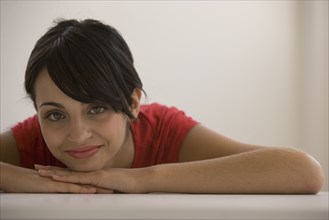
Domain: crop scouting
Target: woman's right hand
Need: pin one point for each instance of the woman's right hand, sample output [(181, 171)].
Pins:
[(14, 179)]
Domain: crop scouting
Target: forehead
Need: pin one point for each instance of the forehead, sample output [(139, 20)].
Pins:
[(46, 90)]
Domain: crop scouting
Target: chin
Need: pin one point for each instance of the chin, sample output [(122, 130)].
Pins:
[(83, 167)]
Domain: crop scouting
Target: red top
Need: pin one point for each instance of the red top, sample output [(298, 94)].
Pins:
[(158, 135)]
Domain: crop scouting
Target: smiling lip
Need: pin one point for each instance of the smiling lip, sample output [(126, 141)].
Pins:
[(84, 152)]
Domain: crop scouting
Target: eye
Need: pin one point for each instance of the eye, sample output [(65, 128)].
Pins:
[(55, 116), (97, 110)]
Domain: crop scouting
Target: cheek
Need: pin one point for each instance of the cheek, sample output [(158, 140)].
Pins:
[(53, 139), (114, 129)]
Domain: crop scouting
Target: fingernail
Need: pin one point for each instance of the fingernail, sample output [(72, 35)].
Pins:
[(37, 166), (54, 176), (92, 190), (44, 172), (88, 190)]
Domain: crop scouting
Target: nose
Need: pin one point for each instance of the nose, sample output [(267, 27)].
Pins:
[(79, 131)]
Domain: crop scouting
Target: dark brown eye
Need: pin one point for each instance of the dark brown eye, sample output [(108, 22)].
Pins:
[(55, 116), (97, 110)]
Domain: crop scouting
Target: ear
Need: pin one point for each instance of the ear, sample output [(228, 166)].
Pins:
[(136, 102)]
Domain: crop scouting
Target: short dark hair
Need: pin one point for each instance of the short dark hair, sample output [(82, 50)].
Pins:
[(89, 61)]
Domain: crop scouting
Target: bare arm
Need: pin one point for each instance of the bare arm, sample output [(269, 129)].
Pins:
[(264, 169), (211, 163), (9, 153), (272, 170), (14, 178)]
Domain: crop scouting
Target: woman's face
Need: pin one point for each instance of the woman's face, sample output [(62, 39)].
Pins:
[(85, 137)]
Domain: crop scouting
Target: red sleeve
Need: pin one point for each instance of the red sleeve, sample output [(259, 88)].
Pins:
[(31, 146), (158, 134)]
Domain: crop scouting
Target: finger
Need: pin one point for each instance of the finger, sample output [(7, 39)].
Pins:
[(104, 191), (49, 173), (42, 167), (74, 188), (92, 179), (96, 178), (80, 178)]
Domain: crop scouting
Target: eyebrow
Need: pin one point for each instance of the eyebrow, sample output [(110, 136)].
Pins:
[(52, 104)]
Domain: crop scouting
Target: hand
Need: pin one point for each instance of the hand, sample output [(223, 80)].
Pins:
[(105, 181), (51, 172), (21, 180)]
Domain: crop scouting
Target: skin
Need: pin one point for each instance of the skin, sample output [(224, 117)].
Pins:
[(208, 161), (68, 125)]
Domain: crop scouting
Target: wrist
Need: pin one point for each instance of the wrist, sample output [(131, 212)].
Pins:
[(6, 176), (143, 179), (157, 178), (154, 179)]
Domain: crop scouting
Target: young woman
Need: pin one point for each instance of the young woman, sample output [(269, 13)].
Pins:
[(91, 134)]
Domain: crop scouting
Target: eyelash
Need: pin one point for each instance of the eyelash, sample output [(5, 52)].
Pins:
[(52, 114), (61, 116)]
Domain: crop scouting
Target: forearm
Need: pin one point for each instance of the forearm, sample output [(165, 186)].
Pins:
[(21, 180), (6, 177), (9, 178), (270, 170), (261, 171)]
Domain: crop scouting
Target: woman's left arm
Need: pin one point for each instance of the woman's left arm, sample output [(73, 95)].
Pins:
[(272, 170), (211, 163)]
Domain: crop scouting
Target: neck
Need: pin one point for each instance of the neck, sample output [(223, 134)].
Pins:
[(125, 156)]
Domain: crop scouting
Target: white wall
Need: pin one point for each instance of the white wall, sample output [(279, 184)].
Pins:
[(256, 71)]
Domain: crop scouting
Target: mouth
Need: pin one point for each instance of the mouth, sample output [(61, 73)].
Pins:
[(84, 152)]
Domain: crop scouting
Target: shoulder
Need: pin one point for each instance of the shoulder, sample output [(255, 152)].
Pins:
[(31, 145), (29, 125), (155, 109), (159, 112), (27, 133), (158, 134), (162, 120)]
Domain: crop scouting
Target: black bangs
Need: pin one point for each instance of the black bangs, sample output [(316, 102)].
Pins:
[(75, 73), (89, 61), (89, 72)]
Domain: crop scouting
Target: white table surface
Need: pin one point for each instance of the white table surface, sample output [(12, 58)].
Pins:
[(163, 206)]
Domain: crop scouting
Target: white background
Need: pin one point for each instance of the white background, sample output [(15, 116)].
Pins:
[(256, 71)]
